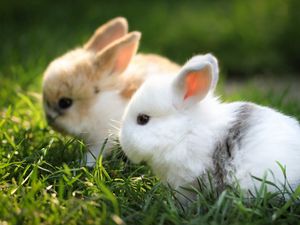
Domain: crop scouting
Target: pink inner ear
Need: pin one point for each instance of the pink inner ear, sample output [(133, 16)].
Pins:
[(124, 57), (196, 83)]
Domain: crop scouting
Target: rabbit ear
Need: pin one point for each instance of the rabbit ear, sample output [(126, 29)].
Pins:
[(107, 33), (116, 57), (197, 77)]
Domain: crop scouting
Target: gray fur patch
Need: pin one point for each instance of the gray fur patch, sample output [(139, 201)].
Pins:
[(224, 151)]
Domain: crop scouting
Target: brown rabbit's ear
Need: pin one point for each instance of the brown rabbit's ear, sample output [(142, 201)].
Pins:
[(116, 57), (107, 33)]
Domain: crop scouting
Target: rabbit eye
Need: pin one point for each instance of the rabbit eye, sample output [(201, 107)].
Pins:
[(96, 90), (65, 103), (142, 119)]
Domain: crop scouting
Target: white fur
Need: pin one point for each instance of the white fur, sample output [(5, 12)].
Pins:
[(179, 143), (105, 117)]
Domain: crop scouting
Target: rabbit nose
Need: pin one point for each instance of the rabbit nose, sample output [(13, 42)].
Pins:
[(53, 111)]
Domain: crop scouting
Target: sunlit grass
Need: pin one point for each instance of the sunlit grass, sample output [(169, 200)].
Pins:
[(43, 181)]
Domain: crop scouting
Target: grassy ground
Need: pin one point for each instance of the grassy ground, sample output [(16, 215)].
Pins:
[(42, 181)]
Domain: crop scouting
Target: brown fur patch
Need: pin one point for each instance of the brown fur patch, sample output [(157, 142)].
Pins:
[(142, 67), (130, 87), (72, 75)]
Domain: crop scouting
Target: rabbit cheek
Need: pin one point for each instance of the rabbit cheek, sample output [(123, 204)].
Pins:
[(58, 128), (128, 147), (130, 143), (66, 124)]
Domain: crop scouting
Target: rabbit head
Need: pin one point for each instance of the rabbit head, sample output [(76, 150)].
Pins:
[(75, 84), (157, 120)]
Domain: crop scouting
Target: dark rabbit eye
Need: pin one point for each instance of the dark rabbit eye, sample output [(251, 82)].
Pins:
[(142, 119), (65, 103)]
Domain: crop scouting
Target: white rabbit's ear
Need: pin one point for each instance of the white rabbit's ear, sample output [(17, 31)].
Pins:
[(197, 77), (107, 33), (116, 57)]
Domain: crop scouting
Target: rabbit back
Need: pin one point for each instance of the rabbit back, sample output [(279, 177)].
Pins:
[(256, 141)]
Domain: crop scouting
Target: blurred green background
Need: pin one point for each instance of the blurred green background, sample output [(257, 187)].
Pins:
[(248, 37)]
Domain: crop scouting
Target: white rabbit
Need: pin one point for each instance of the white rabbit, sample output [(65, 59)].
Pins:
[(177, 126), (86, 90)]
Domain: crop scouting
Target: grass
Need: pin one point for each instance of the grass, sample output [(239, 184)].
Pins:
[(42, 181)]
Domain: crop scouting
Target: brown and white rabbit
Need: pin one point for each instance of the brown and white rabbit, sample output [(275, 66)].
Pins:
[(88, 88)]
